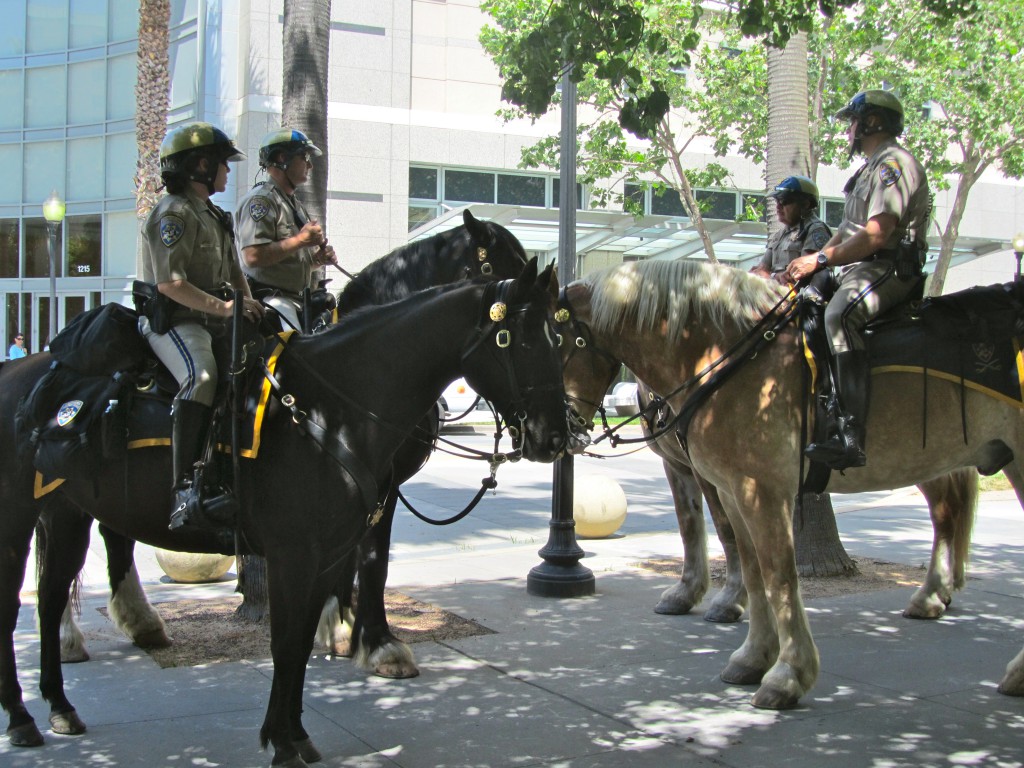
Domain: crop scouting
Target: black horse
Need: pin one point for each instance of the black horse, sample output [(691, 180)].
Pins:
[(476, 248), (340, 455)]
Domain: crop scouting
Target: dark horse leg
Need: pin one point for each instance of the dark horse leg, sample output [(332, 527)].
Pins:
[(16, 533), (296, 598), (62, 540)]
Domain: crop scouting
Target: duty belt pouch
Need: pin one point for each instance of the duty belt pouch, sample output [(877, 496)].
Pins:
[(909, 261), (154, 305)]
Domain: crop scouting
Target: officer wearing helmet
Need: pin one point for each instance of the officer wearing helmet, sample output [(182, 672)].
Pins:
[(282, 248), (878, 249), (188, 254), (796, 203)]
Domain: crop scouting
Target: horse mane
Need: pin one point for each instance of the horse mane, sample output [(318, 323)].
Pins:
[(649, 293)]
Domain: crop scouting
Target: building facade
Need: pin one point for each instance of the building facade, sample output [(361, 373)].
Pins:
[(413, 137)]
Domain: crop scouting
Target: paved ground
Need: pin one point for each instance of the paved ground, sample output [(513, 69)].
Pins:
[(599, 681)]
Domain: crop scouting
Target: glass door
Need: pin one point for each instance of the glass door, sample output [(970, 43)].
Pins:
[(69, 306)]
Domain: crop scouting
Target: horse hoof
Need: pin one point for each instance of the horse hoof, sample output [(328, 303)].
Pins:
[(73, 656), (771, 698), (673, 608), (67, 723), (740, 674), (396, 670), (307, 751), (26, 735), (156, 638), (723, 614)]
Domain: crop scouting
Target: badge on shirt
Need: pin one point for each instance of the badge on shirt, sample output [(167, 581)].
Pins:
[(171, 229), (889, 172), (258, 208)]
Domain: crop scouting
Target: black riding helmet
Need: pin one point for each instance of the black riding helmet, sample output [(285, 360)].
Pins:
[(795, 187), (874, 102), (183, 146)]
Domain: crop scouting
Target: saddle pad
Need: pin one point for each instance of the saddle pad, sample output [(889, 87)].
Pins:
[(149, 423), (988, 363)]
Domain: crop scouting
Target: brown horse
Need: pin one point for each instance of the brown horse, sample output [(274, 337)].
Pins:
[(324, 435), (952, 503), (668, 322)]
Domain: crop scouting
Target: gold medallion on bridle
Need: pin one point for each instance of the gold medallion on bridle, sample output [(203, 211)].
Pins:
[(498, 311), (562, 315), (481, 254)]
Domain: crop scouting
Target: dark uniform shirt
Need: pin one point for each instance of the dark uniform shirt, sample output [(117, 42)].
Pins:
[(810, 234)]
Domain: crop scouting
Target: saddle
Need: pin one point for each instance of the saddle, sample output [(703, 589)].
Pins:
[(106, 393), (971, 337)]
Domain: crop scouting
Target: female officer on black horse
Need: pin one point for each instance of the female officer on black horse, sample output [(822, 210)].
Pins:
[(188, 253)]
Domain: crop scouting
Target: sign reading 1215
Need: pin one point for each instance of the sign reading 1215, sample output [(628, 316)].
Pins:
[(83, 269)]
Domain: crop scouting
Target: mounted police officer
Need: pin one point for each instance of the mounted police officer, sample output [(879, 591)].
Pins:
[(879, 250), (796, 205), (282, 248), (188, 253)]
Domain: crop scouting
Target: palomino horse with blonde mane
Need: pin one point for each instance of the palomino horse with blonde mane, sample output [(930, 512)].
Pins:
[(952, 502), (669, 322)]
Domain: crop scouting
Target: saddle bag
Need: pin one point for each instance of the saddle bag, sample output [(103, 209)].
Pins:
[(101, 341)]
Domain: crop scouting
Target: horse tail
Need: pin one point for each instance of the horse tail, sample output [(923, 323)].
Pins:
[(75, 594)]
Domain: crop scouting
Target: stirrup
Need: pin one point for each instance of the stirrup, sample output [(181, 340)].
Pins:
[(838, 452)]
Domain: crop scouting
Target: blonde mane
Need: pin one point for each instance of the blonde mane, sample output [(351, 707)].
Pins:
[(649, 293)]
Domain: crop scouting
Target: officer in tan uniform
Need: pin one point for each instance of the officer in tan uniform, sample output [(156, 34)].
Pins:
[(796, 205), (282, 248), (879, 248), (188, 253)]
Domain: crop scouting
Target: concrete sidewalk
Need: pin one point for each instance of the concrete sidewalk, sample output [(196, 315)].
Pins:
[(599, 681)]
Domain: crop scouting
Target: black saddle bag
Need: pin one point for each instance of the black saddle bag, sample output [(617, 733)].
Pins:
[(101, 341)]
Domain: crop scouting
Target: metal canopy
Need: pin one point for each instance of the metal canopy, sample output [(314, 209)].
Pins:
[(741, 243)]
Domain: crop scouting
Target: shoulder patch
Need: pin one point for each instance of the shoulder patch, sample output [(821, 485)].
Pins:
[(259, 207), (820, 236), (172, 227), (889, 172)]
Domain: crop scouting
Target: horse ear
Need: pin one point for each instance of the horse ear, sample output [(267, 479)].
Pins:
[(473, 225), (526, 280), (549, 279)]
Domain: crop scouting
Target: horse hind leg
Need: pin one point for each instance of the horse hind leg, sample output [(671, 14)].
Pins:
[(728, 605), (128, 606), (72, 642), (952, 504), (337, 619), (681, 597)]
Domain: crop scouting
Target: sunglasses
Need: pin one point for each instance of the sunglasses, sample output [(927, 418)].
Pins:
[(19, 338)]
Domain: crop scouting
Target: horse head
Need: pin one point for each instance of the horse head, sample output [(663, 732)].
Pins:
[(514, 363), (493, 249)]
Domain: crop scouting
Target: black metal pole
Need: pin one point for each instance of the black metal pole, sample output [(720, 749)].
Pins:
[(1018, 254), (561, 575)]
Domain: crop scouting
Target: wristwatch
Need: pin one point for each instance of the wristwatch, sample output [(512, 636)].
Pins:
[(822, 260)]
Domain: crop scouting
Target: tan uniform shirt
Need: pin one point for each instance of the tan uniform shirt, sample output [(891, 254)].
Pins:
[(268, 215), (184, 239)]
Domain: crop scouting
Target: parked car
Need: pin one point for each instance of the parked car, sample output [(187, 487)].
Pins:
[(622, 400), (458, 398)]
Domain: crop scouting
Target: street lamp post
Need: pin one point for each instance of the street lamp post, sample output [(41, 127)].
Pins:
[(1018, 251), (53, 212)]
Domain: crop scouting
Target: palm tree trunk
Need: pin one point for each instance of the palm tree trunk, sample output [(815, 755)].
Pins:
[(152, 96)]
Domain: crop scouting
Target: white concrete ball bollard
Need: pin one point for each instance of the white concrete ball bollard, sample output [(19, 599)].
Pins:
[(193, 567), (598, 505)]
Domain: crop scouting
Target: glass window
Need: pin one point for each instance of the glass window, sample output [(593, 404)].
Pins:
[(635, 193), (120, 162), (8, 247), (520, 190), (121, 234), (47, 28), (12, 315), (419, 214), (667, 203), (10, 161), (121, 87), (12, 31), (423, 183), (833, 212), (43, 171), (85, 169), (88, 23), (182, 67), (716, 205), (37, 255), (12, 96), (469, 186), (182, 11), (754, 208), (85, 246), (45, 93), (556, 191), (87, 92), (123, 19)]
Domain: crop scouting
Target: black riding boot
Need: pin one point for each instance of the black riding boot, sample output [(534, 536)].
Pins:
[(845, 448), (190, 425)]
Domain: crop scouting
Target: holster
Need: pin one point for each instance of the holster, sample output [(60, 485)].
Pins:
[(909, 258), (154, 305)]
